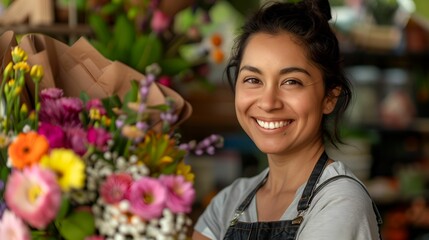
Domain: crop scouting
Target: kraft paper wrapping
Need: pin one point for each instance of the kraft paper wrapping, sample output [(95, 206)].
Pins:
[(80, 67)]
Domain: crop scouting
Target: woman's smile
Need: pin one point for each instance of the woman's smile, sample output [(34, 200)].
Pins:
[(271, 125)]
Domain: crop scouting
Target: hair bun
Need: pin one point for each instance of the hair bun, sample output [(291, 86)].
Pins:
[(322, 7)]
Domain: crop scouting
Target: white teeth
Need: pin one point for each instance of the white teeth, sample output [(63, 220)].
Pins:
[(272, 125)]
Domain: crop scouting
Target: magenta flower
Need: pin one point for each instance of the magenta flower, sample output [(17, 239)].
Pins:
[(51, 94), (71, 110), (181, 193), (34, 195), (54, 134), (160, 21), (13, 228), (98, 137), (165, 80), (76, 140), (96, 104), (115, 188), (63, 111), (147, 197)]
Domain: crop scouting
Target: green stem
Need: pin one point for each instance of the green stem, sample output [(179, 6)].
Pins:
[(36, 105), (174, 47)]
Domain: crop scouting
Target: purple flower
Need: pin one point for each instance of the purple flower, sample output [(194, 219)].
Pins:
[(98, 137), (76, 140), (72, 108), (181, 193), (2, 208), (54, 134), (147, 197), (63, 112), (51, 94)]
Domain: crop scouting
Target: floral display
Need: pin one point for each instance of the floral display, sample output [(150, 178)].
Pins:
[(190, 40), (82, 168)]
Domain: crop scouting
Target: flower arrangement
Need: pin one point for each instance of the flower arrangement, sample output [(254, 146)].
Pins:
[(82, 168)]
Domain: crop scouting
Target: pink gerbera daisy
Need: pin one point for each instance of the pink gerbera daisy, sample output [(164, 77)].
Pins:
[(147, 197), (34, 195), (181, 193), (13, 228), (115, 188)]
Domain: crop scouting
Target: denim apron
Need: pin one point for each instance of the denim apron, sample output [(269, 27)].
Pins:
[(286, 229)]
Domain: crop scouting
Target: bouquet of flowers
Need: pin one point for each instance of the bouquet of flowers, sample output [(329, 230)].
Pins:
[(82, 168)]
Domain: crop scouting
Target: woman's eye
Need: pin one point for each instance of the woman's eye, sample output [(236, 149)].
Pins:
[(252, 80), (291, 82)]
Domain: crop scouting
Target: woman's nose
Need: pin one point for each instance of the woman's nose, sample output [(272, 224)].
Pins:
[(269, 100)]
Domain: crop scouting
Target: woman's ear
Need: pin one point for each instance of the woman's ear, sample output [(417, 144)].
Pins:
[(331, 100)]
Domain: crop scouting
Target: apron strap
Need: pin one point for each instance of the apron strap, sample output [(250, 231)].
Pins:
[(306, 197)]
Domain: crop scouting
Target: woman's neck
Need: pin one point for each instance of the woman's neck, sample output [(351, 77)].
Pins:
[(289, 172)]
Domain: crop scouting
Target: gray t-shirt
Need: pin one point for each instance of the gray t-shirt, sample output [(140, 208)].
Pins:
[(341, 210)]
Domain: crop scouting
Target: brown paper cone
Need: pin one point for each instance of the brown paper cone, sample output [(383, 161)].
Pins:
[(81, 67)]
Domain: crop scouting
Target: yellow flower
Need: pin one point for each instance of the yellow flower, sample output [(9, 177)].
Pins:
[(186, 171), (17, 91), (68, 166), (18, 54), (24, 108), (37, 73), (8, 70), (94, 114), (22, 66), (11, 82)]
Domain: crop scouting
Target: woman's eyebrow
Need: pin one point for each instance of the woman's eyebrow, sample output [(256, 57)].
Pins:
[(294, 69), (251, 69), (282, 71)]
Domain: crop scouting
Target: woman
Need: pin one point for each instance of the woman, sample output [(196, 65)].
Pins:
[(285, 70)]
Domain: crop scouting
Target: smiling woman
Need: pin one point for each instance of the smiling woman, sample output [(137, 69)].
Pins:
[(288, 83)]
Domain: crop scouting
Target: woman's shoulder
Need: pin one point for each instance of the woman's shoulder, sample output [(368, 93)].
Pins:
[(244, 185), (338, 180)]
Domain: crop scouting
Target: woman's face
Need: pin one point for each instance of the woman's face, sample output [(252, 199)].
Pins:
[(280, 97)]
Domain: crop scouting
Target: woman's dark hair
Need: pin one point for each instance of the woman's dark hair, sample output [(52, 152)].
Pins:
[(307, 21)]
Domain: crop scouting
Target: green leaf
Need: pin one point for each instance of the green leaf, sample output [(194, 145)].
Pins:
[(174, 66), (110, 8), (84, 97), (124, 35), (64, 209), (146, 50), (77, 225), (100, 28)]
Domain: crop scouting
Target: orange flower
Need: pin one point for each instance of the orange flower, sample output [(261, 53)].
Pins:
[(28, 148), (216, 40), (217, 55)]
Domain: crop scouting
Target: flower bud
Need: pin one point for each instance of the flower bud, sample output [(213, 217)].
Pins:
[(24, 108), (37, 73), (17, 91), (18, 55), (8, 70)]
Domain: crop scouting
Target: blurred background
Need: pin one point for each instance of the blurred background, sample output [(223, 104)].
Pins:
[(385, 46)]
